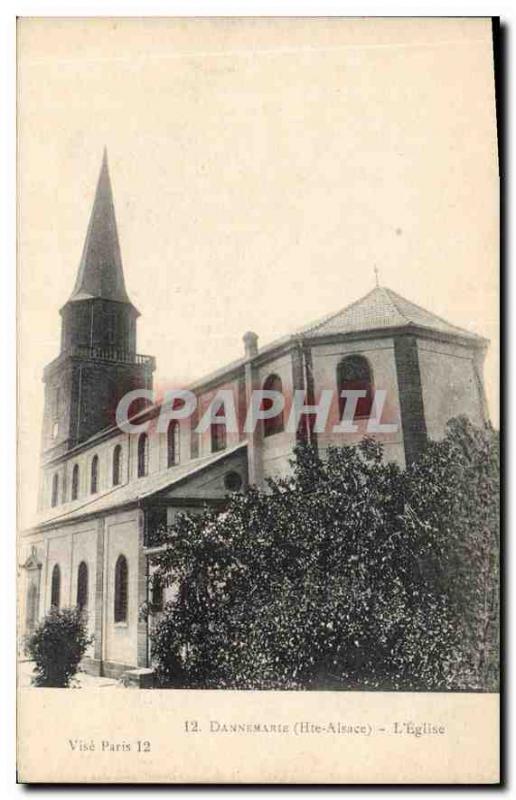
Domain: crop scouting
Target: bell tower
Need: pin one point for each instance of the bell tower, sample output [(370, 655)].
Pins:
[(98, 362)]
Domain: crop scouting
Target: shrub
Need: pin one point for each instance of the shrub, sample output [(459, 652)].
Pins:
[(349, 573), (57, 646)]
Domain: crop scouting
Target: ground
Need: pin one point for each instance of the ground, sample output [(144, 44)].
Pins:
[(81, 681)]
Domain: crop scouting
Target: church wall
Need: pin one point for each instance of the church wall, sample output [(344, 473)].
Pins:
[(103, 385), (98, 323), (59, 551), (122, 538), (153, 459), (66, 547), (380, 354), (157, 462), (84, 548), (58, 416), (209, 484), (450, 384), (46, 485), (277, 449), (104, 450)]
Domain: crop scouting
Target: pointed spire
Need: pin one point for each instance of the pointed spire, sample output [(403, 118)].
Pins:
[(100, 270)]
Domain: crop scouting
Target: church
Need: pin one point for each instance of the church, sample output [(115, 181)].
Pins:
[(105, 491)]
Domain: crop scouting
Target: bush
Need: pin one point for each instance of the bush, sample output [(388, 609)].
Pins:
[(57, 646), (455, 494), (350, 573)]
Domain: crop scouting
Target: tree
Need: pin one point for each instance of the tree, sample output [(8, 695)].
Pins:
[(57, 645), (349, 573), (455, 493)]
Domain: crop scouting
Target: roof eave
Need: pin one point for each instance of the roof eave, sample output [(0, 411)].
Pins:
[(86, 298), (468, 339)]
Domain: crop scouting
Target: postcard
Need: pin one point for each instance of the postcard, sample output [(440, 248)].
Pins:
[(258, 333)]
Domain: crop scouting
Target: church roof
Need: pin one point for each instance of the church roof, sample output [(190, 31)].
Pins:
[(100, 270), (378, 311), (381, 309)]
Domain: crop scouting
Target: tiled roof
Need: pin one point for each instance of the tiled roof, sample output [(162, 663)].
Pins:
[(381, 309), (135, 490), (100, 271)]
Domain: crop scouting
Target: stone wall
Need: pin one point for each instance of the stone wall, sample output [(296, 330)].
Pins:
[(451, 385)]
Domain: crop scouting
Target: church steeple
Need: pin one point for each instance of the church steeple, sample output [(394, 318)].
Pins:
[(99, 313), (100, 270), (98, 363)]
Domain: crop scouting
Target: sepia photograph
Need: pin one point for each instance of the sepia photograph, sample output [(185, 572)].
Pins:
[(258, 382)]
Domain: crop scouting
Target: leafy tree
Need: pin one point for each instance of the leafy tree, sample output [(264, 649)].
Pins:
[(57, 645), (455, 494), (349, 573)]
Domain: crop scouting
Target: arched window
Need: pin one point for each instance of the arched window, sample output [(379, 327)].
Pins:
[(75, 482), (121, 587), (273, 424), (82, 585), (55, 591), (143, 455), (354, 372), (173, 444), (117, 464), (55, 490), (218, 432), (94, 478)]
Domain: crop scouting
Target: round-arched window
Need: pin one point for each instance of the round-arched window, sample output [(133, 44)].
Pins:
[(143, 455), (274, 424), (121, 589), (173, 443), (75, 482), (94, 476), (82, 585), (218, 431), (354, 373), (55, 591), (117, 462)]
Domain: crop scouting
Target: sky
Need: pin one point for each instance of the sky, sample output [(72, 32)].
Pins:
[(261, 170)]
